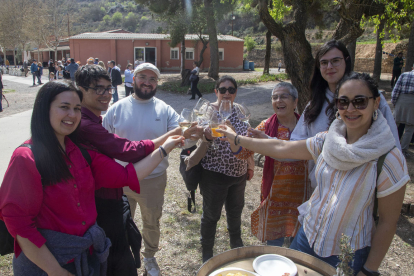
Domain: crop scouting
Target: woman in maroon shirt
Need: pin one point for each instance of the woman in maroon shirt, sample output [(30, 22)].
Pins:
[(51, 185)]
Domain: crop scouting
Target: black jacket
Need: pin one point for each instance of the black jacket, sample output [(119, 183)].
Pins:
[(116, 77)]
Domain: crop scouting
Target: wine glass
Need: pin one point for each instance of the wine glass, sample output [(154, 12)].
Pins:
[(243, 113), (185, 119), (201, 107), (225, 109), (214, 123)]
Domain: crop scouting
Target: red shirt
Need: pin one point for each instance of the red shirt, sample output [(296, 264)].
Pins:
[(67, 207), (91, 132)]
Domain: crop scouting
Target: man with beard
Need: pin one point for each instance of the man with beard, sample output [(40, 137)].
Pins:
[(113, 213), (144, 116)]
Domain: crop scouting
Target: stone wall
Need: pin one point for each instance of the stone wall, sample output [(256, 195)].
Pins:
[(366, 65)]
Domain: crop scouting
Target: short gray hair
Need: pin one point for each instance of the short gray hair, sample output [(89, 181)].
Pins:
[(292, 90)]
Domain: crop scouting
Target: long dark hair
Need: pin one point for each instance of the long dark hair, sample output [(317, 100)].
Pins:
[(226, 78), (318, 84), (50, 157)]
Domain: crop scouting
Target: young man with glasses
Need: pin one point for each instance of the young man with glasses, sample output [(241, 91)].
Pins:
[(95, 84), (144, 116)]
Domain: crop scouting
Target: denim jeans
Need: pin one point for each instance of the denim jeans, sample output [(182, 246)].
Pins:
[(194, 89), (300, 243), (115, 95), (276, 242)]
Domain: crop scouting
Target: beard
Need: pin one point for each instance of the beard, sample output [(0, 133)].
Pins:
[(142, 95)]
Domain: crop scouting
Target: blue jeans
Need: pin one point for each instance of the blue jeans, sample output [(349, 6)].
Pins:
[(300, 243), (115, 95), (276, 242)]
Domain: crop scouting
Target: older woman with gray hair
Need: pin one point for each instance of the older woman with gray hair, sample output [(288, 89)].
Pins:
[(284, 183)]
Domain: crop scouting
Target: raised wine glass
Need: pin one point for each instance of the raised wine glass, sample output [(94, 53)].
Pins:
[(225, 110), (185, 119), (201, 107), (214, 123), (243, 113)]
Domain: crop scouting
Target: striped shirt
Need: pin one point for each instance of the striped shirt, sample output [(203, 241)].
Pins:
[(404, 85), (343, 201)]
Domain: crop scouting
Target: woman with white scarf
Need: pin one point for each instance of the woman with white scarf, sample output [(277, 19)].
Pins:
[(346, 159)]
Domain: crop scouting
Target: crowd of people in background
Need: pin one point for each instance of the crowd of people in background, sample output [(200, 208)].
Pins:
[(324, 170)]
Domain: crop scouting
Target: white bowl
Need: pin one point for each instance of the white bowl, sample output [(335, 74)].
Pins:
[(274, 265), (224, 271)]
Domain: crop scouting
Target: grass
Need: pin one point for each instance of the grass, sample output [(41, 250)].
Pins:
[(264, 78), (374, 41), (9, 90)]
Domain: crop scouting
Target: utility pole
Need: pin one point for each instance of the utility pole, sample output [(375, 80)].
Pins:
[(232, 19)]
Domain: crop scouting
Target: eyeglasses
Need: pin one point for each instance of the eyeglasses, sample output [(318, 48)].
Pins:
[(151, 80), (335, 62), (359, 102), (223, 90), (282, 97), (100, 90)]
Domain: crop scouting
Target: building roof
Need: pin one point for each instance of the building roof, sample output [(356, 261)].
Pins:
[(142, 36), (59, 48)]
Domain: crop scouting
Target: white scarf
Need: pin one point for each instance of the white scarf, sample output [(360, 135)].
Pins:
[(342, 156)]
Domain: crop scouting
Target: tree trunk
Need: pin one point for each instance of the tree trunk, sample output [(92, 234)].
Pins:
[(297, 51), (182, 68), (268, 53), (378, 53), (205, 43), (352, 49), (14, 56), (410, 51), (213, 71)]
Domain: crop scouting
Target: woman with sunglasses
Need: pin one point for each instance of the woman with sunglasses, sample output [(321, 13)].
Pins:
[(346, 159), (332, 62), (224, 177), (47, 198)]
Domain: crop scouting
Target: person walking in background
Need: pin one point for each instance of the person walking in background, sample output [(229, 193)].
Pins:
[(116, 79), (96, 61), (52, 68), (403, 100), (285, 185), (279, 65), (39, 72), (194, 78), (129, 74), (72, 68), (33, 69), (396, 69)]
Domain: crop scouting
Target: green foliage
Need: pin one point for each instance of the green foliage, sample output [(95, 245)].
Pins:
[(279, 10), (249, 43), (264, 78), (144, 18), (116, 18), (346, 256), (106, 19), (131, 22)]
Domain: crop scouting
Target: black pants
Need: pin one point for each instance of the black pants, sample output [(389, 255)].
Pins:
[(194, 89), (111, 219), (395, 75), (128, 91), (217, 190), (35, 74), (401, 128)]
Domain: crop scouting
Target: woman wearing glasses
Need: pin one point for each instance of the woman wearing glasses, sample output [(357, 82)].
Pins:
[(224, 177), (285, 184), (346, 159), (332, 62), (47, 198)]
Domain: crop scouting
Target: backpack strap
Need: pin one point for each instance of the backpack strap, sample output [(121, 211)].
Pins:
[(380, 163)]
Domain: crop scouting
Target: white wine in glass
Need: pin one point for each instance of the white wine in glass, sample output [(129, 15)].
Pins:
[(185, 119)]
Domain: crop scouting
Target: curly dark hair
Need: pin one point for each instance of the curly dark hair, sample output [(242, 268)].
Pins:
[(226, 78)]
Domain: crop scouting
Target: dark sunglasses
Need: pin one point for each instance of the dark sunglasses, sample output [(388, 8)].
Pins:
[(223, 90), (359, 102)]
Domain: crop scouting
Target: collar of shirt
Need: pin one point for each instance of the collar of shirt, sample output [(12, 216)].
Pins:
[(86, 112)]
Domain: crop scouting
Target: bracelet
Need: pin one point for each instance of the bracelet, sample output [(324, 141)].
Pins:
[(208, 140), (238, 151), (235, 140), (163, 151)]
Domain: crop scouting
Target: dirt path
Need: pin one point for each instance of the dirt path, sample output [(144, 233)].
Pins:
[(179, 246)]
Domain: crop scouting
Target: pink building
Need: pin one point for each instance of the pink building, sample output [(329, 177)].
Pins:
[(126, 47)]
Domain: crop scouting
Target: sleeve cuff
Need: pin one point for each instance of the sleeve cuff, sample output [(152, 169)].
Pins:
[(149, 146), (394, 188), (132, 182)]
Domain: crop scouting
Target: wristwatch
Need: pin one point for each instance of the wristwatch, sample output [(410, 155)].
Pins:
[(368, 273)]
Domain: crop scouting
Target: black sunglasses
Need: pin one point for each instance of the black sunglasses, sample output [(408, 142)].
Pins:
[(223, 90), (359, 102)]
